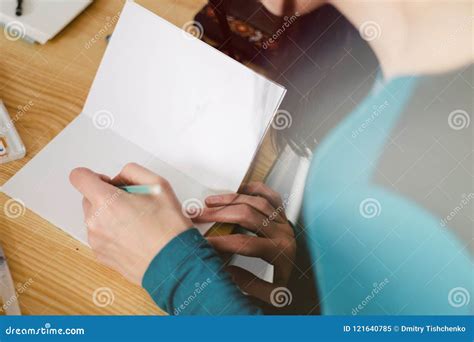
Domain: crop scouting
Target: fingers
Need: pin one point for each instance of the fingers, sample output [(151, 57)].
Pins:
[(242, 244), (86, 207), (251, 284), (134, 174), (260, 189), (105, 178), (240, 214), (91, 185), (259, 203)]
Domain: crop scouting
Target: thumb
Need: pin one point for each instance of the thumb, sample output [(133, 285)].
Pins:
[(91, 185), (135, 174)]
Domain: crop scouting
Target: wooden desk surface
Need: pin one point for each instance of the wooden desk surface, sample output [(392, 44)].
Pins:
[(48, 85)]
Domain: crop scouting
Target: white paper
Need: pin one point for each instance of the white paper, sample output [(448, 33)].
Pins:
[(164, 100)]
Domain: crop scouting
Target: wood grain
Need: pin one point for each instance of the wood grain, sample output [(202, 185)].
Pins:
[(45, 87)]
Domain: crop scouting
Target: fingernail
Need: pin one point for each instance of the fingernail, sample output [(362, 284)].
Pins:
[(213, 199)]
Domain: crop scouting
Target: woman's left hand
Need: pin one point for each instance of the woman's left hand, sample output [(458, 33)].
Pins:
[(260, 210)]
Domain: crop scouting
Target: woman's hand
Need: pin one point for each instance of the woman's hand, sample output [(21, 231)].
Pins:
[(259, 210), (126, 231)]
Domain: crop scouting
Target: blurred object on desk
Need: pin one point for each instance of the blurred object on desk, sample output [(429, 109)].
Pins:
[(11, 146), (7, 289), (240, 29), (38, 20)]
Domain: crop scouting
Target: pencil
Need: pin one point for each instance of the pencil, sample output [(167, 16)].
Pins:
[(19, 8), (142, 189)]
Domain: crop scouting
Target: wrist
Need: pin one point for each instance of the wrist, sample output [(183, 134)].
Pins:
[(162, 242)]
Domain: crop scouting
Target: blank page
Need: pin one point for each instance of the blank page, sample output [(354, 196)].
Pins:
[(180, 99)]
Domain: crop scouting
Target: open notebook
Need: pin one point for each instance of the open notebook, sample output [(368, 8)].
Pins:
[(165, 100)]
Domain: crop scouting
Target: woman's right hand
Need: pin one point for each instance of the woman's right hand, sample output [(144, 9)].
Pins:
[(125, 230)]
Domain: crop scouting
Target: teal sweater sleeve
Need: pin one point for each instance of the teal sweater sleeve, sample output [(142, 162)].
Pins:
[(187, 278)]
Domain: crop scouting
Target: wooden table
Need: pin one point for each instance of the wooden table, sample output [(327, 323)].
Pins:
[(48, 84)]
